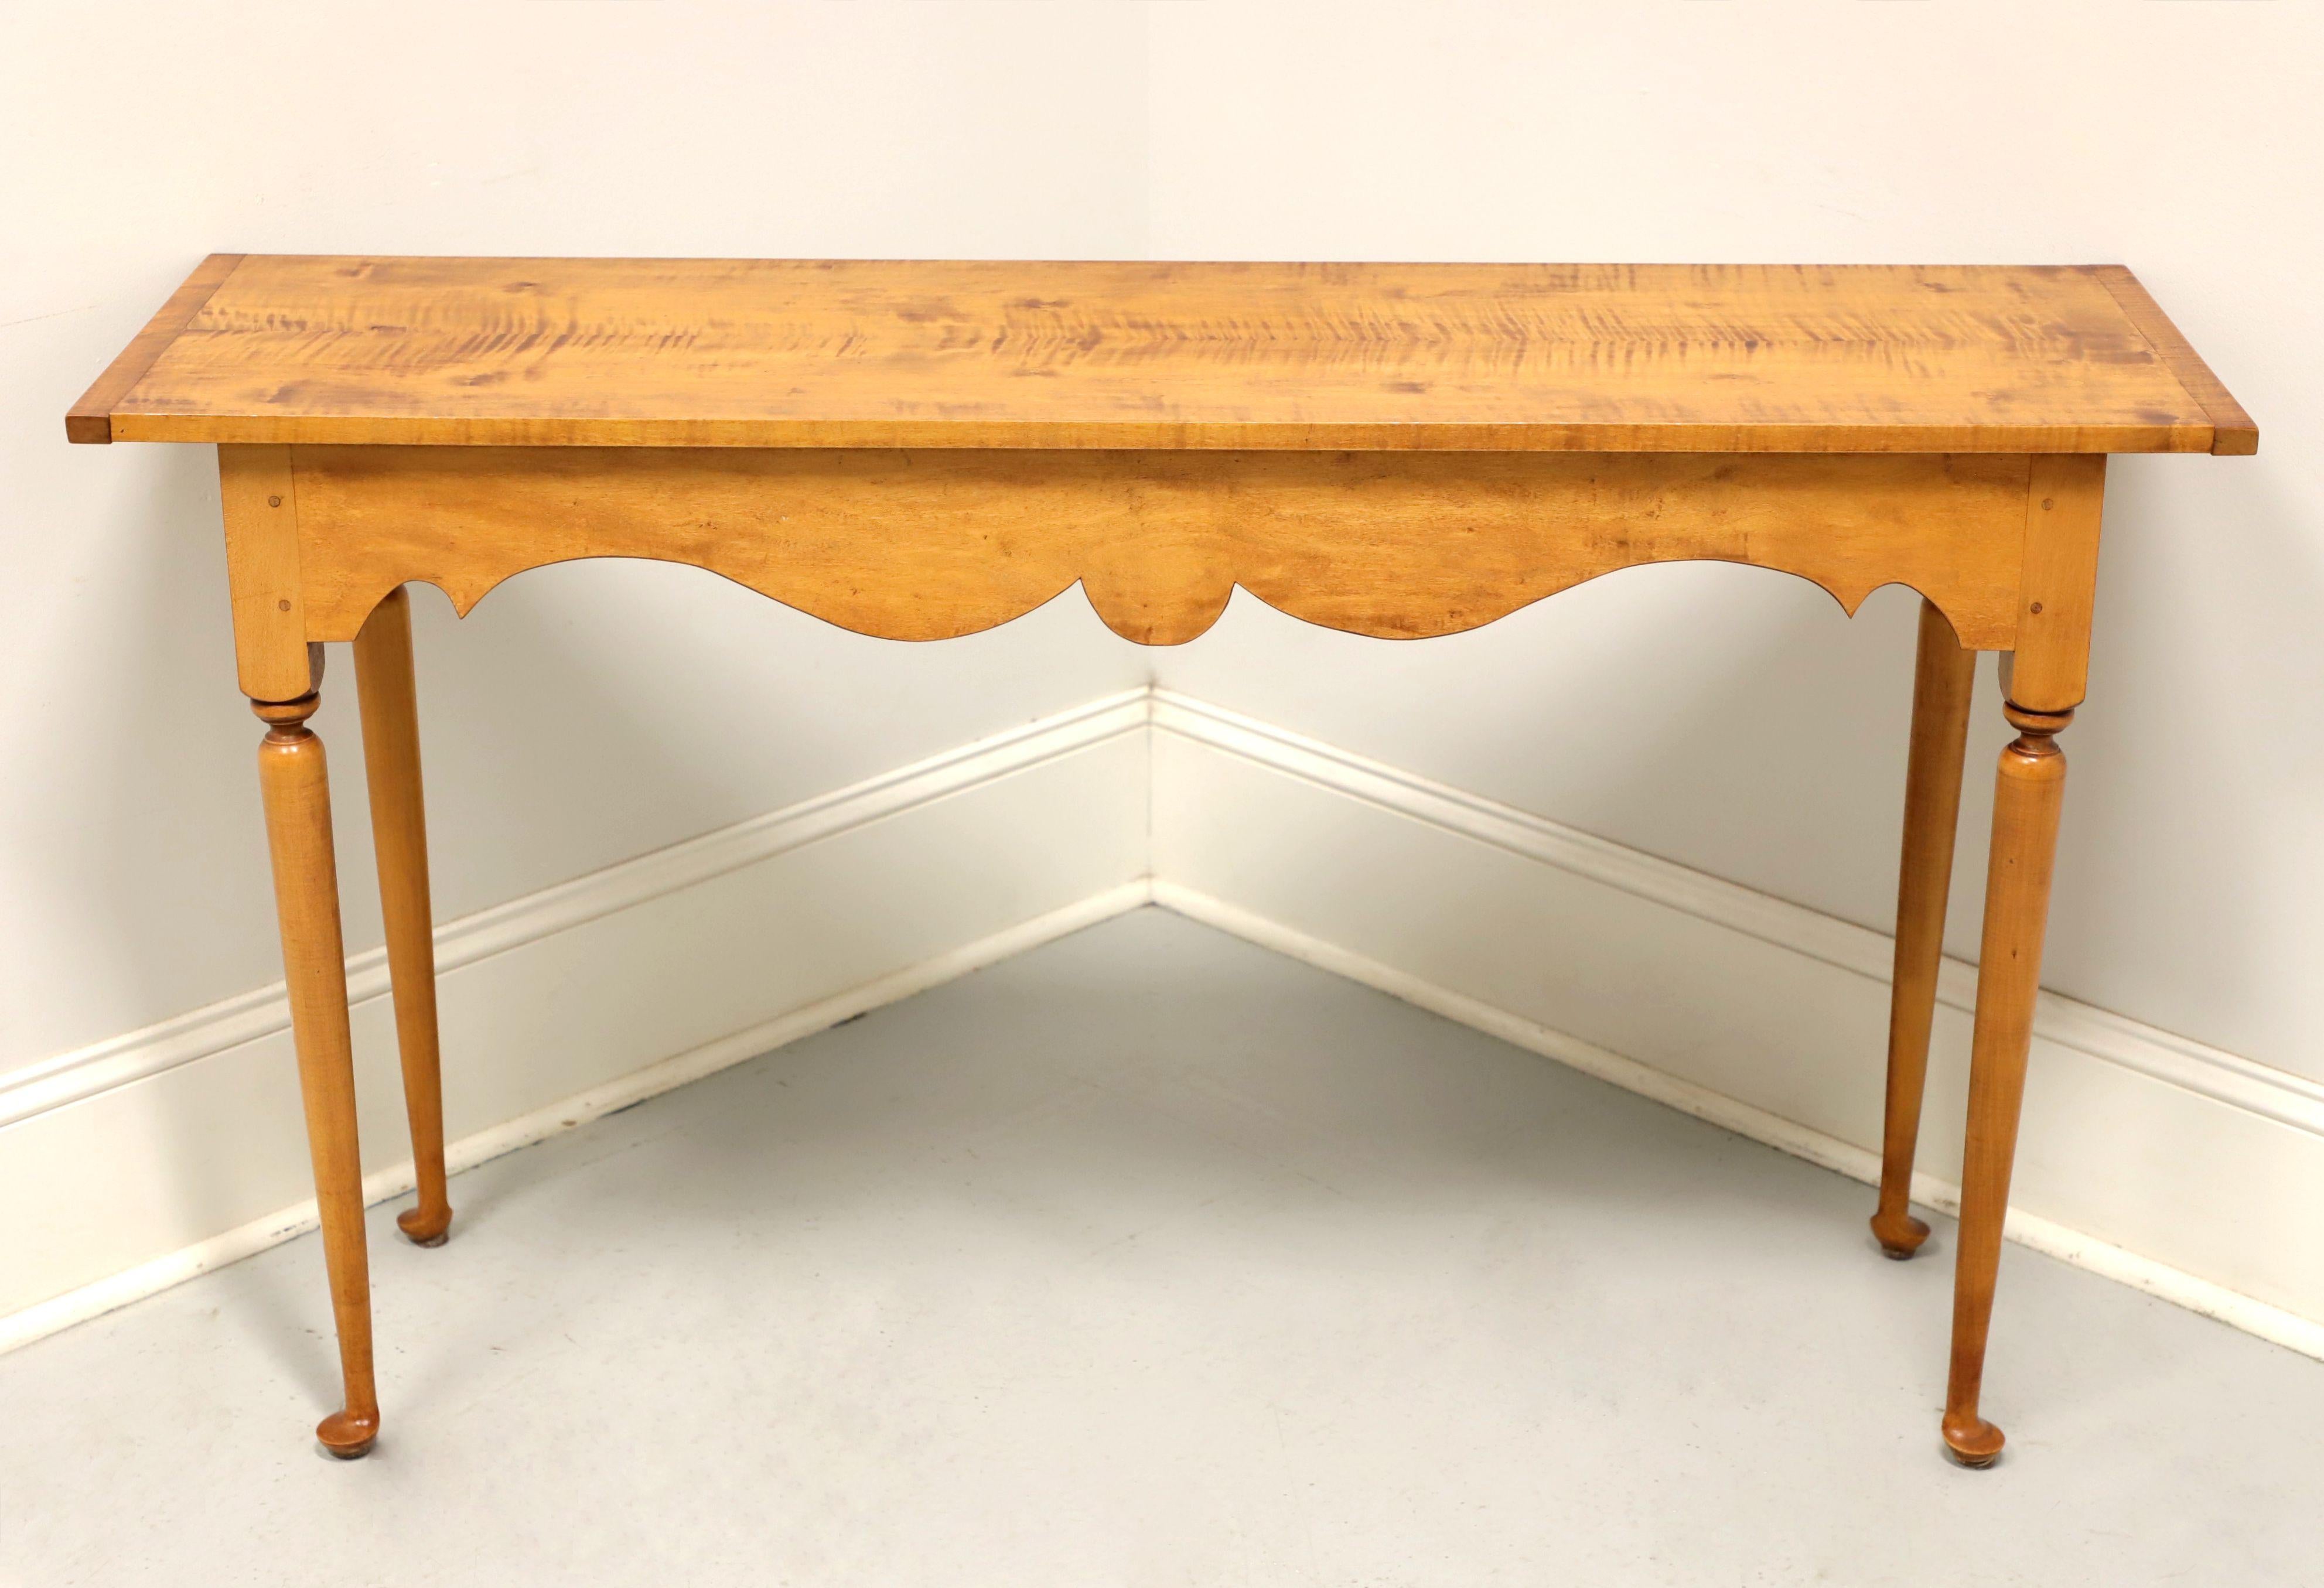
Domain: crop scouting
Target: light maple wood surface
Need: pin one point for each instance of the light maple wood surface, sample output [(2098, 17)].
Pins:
[(930, 545), (265, 581), (922, 451), (296, 787), (753, 353), (2057, 583), (90, 419), (2029, 788), (389, 696), (1942, 673)]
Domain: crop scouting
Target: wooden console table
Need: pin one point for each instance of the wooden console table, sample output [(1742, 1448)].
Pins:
[(919, 450)]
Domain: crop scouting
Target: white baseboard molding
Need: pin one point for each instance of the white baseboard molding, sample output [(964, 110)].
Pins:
[(567, 1113), (2029, 1230), (265, 1011), (2158, 1161), (2177, 1168), (156, 1156)]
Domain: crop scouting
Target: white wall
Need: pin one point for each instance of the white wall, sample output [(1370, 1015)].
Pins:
[(1728, 718), (1725, 719), (582, 714)]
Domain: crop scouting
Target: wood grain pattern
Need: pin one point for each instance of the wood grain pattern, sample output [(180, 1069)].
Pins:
[(1690, 358), (2050, 664), (928, 545), (90, 419), (259, 503), (921, 450), (1942, 673), (2233, 432)]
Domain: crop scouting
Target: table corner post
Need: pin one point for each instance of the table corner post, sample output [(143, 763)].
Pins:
[(281, 673)]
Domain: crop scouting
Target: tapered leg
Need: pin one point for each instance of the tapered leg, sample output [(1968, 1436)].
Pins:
[(290, 775), (399, 827), (2027, 792), (1942, 677)]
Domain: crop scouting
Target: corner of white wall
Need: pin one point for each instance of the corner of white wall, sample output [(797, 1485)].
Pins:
[(2176, 1167), (166, 1151)]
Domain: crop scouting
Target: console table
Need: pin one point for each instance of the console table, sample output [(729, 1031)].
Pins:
[(917, 450)]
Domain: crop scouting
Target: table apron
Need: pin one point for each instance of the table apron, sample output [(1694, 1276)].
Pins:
[(930, 544)]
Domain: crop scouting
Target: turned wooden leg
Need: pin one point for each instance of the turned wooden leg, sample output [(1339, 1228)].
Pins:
[(290, 775), (2028, 789), (399, 827), (1942, 677)]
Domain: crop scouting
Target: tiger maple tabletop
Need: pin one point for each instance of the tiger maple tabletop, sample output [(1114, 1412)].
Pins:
[(920, 449)]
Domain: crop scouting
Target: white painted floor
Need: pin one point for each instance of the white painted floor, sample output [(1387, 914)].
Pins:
[(1151, 1258)]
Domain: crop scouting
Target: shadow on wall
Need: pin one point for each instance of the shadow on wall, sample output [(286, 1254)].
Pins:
[(553, 748), (503, 757), (1728, 718), (149, 807), (1707, 712), (1802, 708), (2154, 874)]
